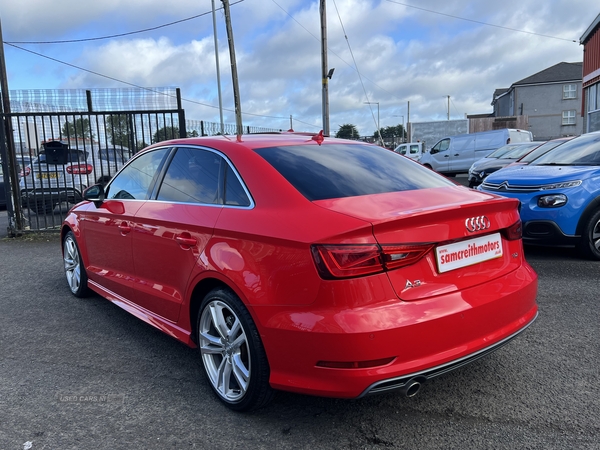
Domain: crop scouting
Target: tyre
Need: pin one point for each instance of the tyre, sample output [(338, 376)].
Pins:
[(234, 359), (41, 207), (589, 246), (74, 269)]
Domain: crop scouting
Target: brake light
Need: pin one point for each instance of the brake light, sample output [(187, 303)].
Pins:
[(355, 260), (514, 232), (80, 169)]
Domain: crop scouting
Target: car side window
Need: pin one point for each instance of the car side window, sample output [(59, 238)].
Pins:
[(235, 194), (193, 176), (134, 181), (441, 146)]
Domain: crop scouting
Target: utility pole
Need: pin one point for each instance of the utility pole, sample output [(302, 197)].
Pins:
[(448, 107), (326, 75), (408, 121), (234, 75), (9, 162), (291, 123), (214, 17)]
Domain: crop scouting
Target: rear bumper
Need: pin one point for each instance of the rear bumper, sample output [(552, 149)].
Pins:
[(51, 194), (425, 338), (399, 383)]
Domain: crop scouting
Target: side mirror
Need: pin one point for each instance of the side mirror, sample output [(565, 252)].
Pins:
[(433, 151), (94, 194)]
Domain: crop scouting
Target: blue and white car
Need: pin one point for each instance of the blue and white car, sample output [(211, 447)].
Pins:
[(559, 194)]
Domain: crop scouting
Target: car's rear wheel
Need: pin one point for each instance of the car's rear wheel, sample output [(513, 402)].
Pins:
[(74, 269), (589, 246), (235, 362)]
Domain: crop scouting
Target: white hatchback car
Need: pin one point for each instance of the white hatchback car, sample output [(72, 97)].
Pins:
[(61, 172)]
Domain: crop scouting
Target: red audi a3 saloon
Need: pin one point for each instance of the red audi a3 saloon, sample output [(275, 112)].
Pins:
[(304, 263)]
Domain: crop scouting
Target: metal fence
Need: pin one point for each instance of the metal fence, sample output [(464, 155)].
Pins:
[(57, 155)]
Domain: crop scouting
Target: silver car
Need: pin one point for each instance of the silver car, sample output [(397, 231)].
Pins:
[(61, 172)]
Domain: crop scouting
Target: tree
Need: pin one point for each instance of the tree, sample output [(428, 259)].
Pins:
[(347, 131), (164, 134), (193, 133), (78, 129), (391, 132), (118, 130)]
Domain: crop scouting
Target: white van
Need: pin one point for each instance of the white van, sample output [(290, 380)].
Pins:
[(412, 150), (456, 154)]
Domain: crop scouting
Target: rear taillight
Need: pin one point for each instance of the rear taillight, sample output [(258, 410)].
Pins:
[(355, 260), (395, 256), (80, 169), (514, 232)]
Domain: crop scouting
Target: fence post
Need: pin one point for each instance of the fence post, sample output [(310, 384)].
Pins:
[(88, 97), (181, 114)]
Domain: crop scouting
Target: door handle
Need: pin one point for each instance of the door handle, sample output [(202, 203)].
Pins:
[(124, 228), (185, 240), (457, 154)]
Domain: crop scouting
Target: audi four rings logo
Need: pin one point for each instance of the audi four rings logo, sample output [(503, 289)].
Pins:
[(478, 223)]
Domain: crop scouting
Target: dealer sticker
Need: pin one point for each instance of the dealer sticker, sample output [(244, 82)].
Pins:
[(466, 253)]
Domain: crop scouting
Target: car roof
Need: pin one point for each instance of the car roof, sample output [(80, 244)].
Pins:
[(260, 140)]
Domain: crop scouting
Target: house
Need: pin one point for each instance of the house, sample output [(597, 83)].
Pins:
[(550, 99), (591, 76)]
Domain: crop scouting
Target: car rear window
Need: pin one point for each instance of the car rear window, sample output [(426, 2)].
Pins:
[(348, 170)]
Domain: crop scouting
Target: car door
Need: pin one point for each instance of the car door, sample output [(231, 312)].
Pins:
[(440, 155), (174, 227), (108, 227), (462, 153)]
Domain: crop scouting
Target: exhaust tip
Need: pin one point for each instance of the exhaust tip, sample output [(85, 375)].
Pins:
[(411, 388)]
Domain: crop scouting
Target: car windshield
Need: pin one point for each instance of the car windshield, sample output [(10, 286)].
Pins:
[(520, 150), (71, 156), (581, 151), (112, 154), (542, 149), (501, 151), (348, 170)]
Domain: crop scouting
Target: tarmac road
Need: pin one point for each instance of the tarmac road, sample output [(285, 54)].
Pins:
[(84, 374)]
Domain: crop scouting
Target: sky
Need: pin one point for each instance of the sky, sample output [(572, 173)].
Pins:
[(387, 54)]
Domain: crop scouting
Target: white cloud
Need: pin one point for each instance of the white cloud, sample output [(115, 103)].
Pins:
[(403, 53)]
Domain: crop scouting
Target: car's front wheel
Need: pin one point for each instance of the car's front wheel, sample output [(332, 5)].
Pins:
[(589, 246), (74, 269), (234, 358)]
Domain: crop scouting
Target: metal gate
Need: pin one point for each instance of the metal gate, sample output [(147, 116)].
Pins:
[(47, 159)]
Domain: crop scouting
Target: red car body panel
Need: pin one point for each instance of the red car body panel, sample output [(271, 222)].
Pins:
[(165, 253)]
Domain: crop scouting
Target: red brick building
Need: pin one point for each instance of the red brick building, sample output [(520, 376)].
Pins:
[(591, 76)]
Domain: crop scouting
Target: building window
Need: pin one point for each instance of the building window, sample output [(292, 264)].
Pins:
[(591, 106), (568, 117), (569, 91)]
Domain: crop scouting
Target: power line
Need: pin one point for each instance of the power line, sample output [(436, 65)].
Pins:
[(481, 23), (112, 36)]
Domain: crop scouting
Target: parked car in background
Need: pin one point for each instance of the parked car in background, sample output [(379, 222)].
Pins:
[(304, 263), (539, 151), (456, 154), (559, 194), (61, 172), (498, 159), (412, 150)]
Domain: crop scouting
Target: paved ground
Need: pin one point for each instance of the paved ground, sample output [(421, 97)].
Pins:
[(84, 374)]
